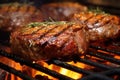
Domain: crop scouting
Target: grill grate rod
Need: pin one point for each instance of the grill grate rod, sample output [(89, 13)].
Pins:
[(70, 67), (99, 55), (112, 71), (35, 66), (16, 72), (91, 75), (96, 77), (94, 63), (105, 49)]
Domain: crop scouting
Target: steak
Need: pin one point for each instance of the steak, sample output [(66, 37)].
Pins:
[(14, 15), (47, 40), (59, 11), (100, 26)]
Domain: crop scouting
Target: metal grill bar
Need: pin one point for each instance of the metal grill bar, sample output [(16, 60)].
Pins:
[(74, 68), (89, 62), (99, 55), (105, 49), (71, 67), (16, 72), (35, 66), (112, 71), (96, 77), (89, 75)]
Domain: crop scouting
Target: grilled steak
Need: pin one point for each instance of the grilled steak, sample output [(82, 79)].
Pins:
[(46, 40), (100, 26), (61, 10), (15, 15)]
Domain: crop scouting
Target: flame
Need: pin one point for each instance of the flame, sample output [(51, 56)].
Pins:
[(11, 63), (70, 73), (61, 70), (32, 72)]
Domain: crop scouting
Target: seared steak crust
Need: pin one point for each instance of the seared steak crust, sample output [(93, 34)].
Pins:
[(100, 26), (46, 40), (15, 15)]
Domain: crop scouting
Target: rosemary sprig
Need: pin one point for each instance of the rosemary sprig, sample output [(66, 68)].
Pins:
[(36, 24)]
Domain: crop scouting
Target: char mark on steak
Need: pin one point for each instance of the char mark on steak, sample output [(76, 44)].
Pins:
[(100, 26), (47, 40)]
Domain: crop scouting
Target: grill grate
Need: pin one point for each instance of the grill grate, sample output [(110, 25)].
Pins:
[(89, 74), (107, 72), (17, 73), (35, 66), (105, 49)]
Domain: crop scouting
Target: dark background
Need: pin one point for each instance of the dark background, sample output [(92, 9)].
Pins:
[(107, 8)]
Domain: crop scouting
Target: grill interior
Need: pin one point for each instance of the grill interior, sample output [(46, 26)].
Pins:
[(96, 57)]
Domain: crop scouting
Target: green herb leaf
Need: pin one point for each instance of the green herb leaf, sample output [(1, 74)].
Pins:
[(36, 24)]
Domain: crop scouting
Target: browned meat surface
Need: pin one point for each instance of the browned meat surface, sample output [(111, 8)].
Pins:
[(46, 40), (100, 26), (61, 10), (15, 15)]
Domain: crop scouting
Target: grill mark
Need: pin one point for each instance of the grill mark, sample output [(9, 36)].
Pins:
[(95, 22), (88, 19), (12, 8), (105, 22), (46, 33), (54, 37), (33, 32), (37, 30), (18, 8), (91, 19), (62, 31), (27, 10), (4, 8), (98, 19), (22, 8), (34, 12), (31, 10), (83, 21), (9, 7)]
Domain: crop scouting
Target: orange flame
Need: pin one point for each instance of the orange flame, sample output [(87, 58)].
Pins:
[(61, 70), (32, 72)]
